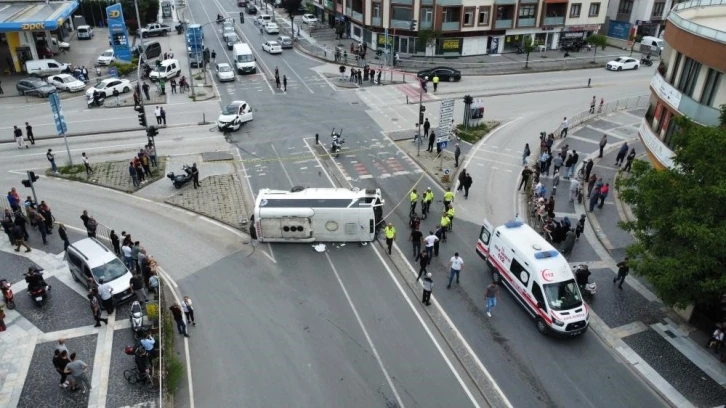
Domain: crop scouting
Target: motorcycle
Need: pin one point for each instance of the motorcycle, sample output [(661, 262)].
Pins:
[(181, 179), (137, 320), (94, 103), (337, 145), (8, 295), (646, 61), (582, 275), (37, 287), (78, 74)]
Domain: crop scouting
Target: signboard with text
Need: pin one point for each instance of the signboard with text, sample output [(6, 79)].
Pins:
[(446, 118), (58, 118), (450, 45), (118, 33)]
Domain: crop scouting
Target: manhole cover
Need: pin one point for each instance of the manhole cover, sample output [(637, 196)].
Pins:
[(354, 103), (394, 119)]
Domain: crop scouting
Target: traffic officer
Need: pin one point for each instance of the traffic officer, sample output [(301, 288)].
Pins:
[(390, 232), (450, 214), (428, 198), (414, 199), (448, 198), (445, 222), (435, 80)]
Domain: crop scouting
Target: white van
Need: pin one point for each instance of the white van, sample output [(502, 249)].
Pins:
[(244, 61), (165, 70), (84, 32), (655, 44), (90, 261), (538, 277), (45, 67)]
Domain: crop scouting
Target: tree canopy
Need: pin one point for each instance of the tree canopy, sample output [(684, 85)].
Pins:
[(680, 229)]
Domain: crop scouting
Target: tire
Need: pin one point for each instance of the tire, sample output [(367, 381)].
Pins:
[(177, 185), (636, 68), (21, 92), (452, 79), (130, 376), (126, 89), (144, 35), (620, 68), (75, 278), (11, 304), (542, 326)]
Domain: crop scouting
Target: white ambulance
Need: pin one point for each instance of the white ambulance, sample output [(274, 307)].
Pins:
[(537, 275)]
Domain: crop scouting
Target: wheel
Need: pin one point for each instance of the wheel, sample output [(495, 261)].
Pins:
[(11, 304), (130, 376), (542, 326), (177, 185), (75, 278), (636, 67), (126, 89), (452, 79), (620, 68), (163, 33), (144, 35), (21, 92)]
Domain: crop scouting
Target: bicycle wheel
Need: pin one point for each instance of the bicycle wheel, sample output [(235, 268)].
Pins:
[(130, 376), (148, 382)]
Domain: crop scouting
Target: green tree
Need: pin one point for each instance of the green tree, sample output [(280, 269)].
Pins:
[(291, 7), (528, 47), (428, 38), (597, 40), (680, 229)]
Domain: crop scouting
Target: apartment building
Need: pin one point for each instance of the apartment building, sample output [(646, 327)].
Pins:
[(644, 17), (467, 27), (690, 78)]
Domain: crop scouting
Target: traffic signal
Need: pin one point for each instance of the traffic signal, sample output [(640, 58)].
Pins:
[(152, 131), (413, 25), (142, 116), (27, 183), (421, 111), (241, 17), (33, 177)]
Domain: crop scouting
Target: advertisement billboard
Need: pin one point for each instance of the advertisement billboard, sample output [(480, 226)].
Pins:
[(619, 29), (118, 33)]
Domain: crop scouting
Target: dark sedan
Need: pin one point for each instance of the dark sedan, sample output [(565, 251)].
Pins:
[(444, 74), (35, 87), (251, 9)]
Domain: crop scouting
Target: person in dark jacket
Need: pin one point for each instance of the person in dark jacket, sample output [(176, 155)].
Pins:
[(621, 154), (467, 185), (176, 310), (195, 175), (432, 140), (423, 260), (64, 236), (428, 287), (115, 243)]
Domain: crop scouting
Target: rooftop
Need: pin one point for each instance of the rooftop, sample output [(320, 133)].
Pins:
[(705, 18)]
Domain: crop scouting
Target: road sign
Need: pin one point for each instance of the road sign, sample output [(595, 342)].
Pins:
[(447, 171), (55, 107), (442, 139), (443, 145), (113, 72), (446, 116)]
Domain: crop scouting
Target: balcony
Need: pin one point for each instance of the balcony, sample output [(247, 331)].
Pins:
[(450, 26), (446, 3), (427, 2), (425, 25), (405, 2), (526, 22), (503, 24), (357, 16), (505, 2), (347, 11), (402, 24), (655, 146), (554, 21), (702, 114), (685, 15), (376, 21), (529, 1)]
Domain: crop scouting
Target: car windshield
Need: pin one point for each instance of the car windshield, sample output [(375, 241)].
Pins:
[(110, 271), (67, 79), (230, 109), (107, 54), (232, 38), (273, 44), (619, 59), (101, 85), (224, 68), (563, 295), (245, 58)]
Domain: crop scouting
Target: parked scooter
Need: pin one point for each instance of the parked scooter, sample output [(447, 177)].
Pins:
[(96, 102), (8, 295), (137, 320), (582, 275), (181, 179), (37, 287), (337, 145), (646, 61)]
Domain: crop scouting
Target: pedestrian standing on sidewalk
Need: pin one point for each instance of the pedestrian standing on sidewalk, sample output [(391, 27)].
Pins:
[(423, 260), (105, 291), (591, 184), (594, 197), (128, 257), (136, 98), (77, 369), (462, 176), (135, 249), (592, 104), (580, 228), (96, 310), (456, 264), (19, 235), (157, 114), (116, 97), (40, 223), (51, 158), (557, 162), (603, 142), (29, 133), (623, 270), (467, 185), (604, 190), (195, 175), (427, 127), (63, 234), (91, 227), (151, 152), (145, 88), (428, 287), (432, 140), (570, 238), (416, 237), (526, 172), (19, 138), (85, 218), (555, 182), (565, 126), (574, 186), (284, 83), (136, 283), (491, 294), (629, 160), (621, 154), (115, 243), (60, 361), (134, 176), (178, 314), (86, 164), (188, 310), (525, 154), (457, 154), (588, 168), (172, 82), (390, 232), (573, 166), (163, 116)]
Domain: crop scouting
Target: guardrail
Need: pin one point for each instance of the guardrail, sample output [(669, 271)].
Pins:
[(633, 102), (535, 64)]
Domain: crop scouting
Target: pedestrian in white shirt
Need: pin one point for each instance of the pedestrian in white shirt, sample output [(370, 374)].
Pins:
[(188, 310), (106, 292), (565, 125), (456, 264), (430, 240)]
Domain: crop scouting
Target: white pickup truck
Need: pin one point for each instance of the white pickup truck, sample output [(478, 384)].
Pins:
[(154, 30)]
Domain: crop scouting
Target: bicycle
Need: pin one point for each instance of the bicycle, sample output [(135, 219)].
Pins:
[(136, 377)]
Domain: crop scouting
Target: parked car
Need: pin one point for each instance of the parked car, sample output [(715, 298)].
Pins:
[(66, 82), (35, 87), (309, 19), (273, 47), (272, 28), (621, 63), (241, 3), (106, 58), (105, 88), (284, 41), (444, 74), (231, 40), (251, 9), (225, 72)]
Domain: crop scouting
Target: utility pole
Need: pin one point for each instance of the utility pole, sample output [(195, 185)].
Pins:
[(150, 131), (421, 110)]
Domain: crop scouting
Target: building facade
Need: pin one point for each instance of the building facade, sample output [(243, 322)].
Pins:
[(466, 27), (690, 78), (644, 18)]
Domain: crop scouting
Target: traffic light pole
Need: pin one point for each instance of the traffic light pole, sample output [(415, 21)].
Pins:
[(420, 116), (32, 185)]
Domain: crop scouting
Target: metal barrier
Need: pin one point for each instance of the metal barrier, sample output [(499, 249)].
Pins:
[(633, 102)]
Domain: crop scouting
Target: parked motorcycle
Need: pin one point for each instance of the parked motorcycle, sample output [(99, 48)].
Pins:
[(37, 287), (337, 145), (8, 295), (137, 320), (97, 103), (181, 179), (646, 61), (582, 276)]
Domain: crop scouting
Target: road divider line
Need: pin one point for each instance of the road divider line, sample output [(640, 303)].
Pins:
[(298, 76), (365, 332)]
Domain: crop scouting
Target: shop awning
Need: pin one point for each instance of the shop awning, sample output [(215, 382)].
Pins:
[(36, 16)]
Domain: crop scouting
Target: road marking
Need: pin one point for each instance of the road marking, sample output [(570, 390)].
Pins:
[(298, 76), (282, 165), (365, 332), (477, 147), (320, 164)]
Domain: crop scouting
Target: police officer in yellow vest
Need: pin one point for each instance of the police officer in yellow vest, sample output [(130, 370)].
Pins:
[(428, 198), (450, 214), (390, 232), (445, 222), (448, 198), (414, 200), (435, 80)]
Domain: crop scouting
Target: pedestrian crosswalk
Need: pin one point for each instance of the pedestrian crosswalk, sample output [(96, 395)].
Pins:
[(258, 83)]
